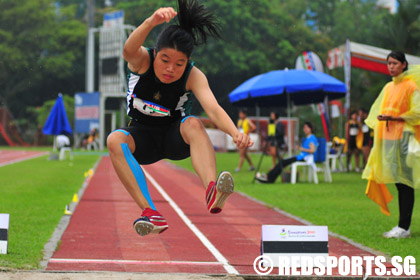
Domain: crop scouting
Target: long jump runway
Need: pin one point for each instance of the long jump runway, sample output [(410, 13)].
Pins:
[(100, 236), (11, 156)]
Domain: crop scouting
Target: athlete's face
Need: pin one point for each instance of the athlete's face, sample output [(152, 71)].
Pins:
[(169, 65), (395, 67)]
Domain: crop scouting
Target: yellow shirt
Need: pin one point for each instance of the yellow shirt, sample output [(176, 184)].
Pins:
[(243, 125), (271, 129)]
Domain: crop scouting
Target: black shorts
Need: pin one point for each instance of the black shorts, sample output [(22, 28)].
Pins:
[(272, 141), (154, 143), (352, 143), (366, 139)]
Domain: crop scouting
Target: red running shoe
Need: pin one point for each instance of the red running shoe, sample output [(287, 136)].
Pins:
[(151, 221), (218, 192)]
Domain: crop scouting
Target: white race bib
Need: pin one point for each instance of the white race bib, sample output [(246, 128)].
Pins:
[(365, 128), (150, 108), (354, 131)]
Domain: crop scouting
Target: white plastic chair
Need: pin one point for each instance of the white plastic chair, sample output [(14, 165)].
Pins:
[(308, 167), (323, 162), (63, 151), (320, 156), (93, 146), (333, 158)]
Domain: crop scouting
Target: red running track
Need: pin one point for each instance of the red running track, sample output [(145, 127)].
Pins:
[(100, 236), (11, 156)]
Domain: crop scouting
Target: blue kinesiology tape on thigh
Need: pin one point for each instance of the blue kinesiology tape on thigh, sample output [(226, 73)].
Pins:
[(123, 131), (138, 173), (185, 118)]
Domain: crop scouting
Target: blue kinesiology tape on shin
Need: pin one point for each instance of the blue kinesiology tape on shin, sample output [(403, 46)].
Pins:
[(138, 174), (123, 131)]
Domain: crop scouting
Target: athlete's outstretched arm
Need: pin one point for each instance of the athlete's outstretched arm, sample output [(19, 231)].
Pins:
[(134, 53), (197, 82)]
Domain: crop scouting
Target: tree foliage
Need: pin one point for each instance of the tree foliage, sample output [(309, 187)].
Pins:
[(41, 52)]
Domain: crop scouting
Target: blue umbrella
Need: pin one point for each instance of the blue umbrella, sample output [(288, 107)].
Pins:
[(57, 122), (283, 87), (275, 88)]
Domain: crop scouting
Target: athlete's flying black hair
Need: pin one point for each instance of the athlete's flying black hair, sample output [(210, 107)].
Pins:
[(194, 24)]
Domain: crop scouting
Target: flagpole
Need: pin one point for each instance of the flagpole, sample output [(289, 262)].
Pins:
[(289, 127), (347, 74)]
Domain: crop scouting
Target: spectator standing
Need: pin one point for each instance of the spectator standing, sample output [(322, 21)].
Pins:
[(352, 130), (395, 119), (245, 126)]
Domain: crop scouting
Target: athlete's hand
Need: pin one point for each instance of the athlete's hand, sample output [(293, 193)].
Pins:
[(162, 15), (242, 140)]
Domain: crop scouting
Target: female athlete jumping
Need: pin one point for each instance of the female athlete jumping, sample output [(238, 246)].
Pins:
[(161, 82)]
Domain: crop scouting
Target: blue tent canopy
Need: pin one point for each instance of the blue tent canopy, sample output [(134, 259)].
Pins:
[(57, 122), (302, 86)]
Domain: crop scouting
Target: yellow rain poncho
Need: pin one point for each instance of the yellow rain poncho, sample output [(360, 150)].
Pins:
[(395, 156)]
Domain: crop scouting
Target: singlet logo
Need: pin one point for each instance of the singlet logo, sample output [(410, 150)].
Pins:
[(157, 96)]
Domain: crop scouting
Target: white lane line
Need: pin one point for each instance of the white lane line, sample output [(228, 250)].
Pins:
[(22, 159), (100, 261), (229, 268)]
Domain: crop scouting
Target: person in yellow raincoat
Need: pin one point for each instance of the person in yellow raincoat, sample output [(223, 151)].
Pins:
[(395, 119)]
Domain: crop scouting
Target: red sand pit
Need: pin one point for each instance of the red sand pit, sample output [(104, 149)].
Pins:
[(100, 236)]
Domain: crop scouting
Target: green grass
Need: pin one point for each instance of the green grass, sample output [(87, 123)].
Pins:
[(35, 192), (341, 205)]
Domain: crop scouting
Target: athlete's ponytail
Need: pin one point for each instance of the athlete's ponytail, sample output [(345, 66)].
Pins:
[(194, 24)]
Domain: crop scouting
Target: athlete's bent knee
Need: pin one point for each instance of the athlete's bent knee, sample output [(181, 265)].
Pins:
[(193, 124), (115, 139), (192, 128)]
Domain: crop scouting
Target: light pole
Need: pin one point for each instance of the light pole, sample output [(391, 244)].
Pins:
[(90, 69)]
